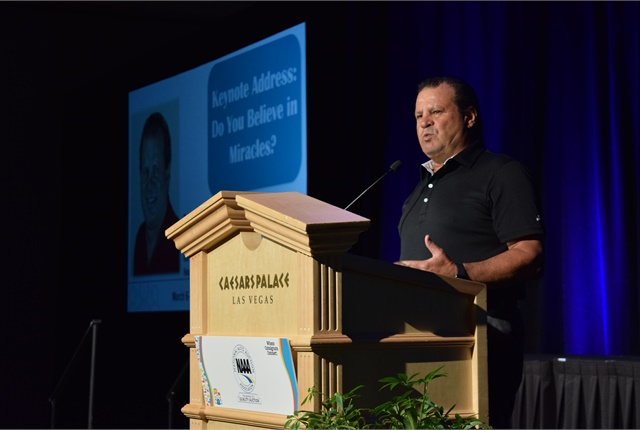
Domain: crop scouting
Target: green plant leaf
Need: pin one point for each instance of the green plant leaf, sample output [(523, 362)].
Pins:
[(409, 410)]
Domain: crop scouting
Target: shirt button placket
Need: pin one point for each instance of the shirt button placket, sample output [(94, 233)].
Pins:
[(428, 193)]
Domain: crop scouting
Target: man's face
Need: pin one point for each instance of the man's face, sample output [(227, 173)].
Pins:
[(154, 182), (439, 124)]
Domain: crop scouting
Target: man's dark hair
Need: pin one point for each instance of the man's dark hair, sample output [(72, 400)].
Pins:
[(465, 98), (156, 125)]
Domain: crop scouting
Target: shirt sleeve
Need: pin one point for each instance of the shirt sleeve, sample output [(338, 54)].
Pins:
[(515, 203)]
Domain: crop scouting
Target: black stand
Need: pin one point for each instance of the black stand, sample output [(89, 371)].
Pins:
[(172, 393), (52, 399)]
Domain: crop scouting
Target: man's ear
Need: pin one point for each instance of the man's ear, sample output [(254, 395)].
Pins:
[(470, 117)]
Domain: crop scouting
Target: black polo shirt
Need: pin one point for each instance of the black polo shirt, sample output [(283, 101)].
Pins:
[(471, 207)]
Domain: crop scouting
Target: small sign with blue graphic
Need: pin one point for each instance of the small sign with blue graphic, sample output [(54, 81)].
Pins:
[(248, 373)]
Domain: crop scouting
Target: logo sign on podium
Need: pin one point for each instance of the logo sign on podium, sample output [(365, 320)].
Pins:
[(248, 373)]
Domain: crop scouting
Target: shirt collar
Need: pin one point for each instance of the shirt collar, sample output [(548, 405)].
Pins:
[(466, 157)]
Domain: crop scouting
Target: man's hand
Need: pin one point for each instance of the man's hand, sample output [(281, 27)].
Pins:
[(438, 263), (523, 261)]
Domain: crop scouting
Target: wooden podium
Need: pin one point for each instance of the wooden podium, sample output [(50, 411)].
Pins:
[(276, 265)]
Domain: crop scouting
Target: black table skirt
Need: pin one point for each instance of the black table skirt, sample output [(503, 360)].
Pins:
[(578, 393)]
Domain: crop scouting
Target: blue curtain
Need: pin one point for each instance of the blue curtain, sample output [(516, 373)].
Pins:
[(558, 89)]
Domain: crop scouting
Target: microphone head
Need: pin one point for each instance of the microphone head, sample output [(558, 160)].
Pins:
[(395, 165)]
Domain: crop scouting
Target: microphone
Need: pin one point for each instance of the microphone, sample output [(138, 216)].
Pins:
[(393, 168)]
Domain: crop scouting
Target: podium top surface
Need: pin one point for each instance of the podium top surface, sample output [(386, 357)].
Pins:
[(292, 218), (297, 209)]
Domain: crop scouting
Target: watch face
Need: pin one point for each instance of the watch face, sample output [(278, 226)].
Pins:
[(462, 273)]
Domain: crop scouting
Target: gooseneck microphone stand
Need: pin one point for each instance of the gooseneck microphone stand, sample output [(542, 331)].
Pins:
[(93, 327)]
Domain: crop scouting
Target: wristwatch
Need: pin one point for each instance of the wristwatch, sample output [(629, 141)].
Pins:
[(462, 273)]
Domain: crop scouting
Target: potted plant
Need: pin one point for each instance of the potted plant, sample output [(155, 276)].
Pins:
[(412, 409)]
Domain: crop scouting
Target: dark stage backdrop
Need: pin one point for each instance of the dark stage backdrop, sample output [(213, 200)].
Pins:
[(558, 87)]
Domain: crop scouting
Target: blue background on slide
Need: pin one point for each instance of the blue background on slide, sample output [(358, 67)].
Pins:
[(244, 155)]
